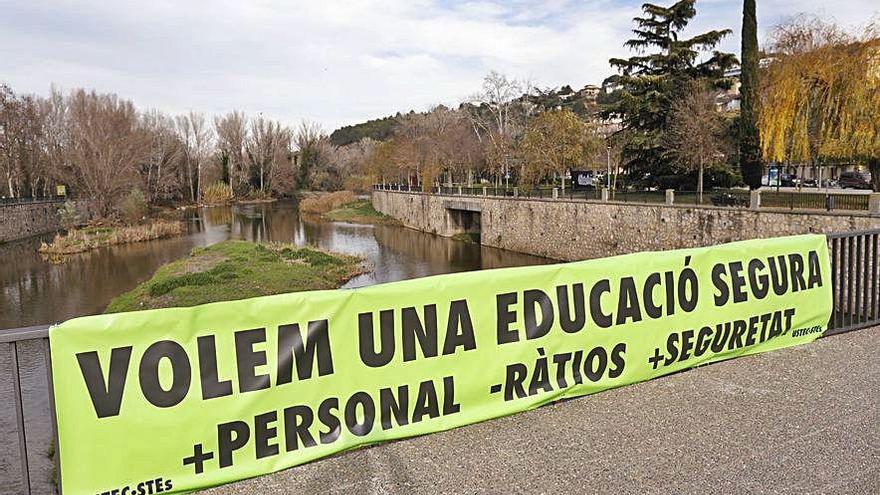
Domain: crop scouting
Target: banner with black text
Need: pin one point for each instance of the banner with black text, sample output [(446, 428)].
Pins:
[(171, 400)]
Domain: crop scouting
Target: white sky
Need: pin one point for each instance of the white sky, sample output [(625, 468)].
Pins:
[(334, 62)]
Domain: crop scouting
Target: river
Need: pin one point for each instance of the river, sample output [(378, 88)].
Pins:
[(34, 291)]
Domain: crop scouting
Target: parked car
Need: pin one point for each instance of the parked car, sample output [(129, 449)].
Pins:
[(789, 180), (854, 180)]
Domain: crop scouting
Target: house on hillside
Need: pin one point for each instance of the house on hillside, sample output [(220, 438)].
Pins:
[(590, 92)]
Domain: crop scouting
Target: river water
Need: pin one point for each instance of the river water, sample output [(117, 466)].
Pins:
[(34, 291)]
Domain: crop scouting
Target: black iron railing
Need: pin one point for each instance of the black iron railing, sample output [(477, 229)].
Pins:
[(27, 201), (735, 198), (855, 279)]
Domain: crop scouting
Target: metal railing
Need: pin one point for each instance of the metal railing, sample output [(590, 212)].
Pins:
[(28, 201), (734, 198), (26, 377), (814, 200), (855, 280)]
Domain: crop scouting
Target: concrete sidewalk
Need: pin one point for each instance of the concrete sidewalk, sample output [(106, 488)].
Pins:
[(798, 420)]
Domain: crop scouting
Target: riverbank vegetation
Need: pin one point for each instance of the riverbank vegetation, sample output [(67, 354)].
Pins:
[(238, 270), (84, 239), (360, 211), (344, 206)]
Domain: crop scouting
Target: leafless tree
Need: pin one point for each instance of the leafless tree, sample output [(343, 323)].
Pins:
[(232, 135), (499, 114), (22, 153), (694, 133), (105, 145), (268, 154), (166, 152)]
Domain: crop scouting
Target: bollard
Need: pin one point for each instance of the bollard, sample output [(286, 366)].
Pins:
[(670, 197), (874, 204), (606, 194), (555, 193), (754, 199)]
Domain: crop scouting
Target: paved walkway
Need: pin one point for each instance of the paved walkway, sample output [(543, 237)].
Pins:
[(798, 420)]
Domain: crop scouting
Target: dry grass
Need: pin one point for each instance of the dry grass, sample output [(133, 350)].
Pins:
[(81, 240), (217, 193), (326, 202)]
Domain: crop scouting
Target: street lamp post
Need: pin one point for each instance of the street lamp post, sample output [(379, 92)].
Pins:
[(608, 154)]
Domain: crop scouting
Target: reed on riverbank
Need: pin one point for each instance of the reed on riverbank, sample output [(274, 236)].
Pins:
[(323, 203), (80, 240)]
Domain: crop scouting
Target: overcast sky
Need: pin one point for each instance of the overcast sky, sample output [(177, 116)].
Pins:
[(334, 62)]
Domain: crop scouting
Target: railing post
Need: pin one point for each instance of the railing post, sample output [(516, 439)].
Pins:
[(459, 190), (670, 197), (555, 193), (606, 194), (516, 192), (874, 204), (754, 199), (485, 191)]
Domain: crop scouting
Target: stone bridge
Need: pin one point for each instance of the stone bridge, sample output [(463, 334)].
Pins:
[(576, 229)]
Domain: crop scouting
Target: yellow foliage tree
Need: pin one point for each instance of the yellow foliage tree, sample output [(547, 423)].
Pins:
[(555, 141), (820, 97)]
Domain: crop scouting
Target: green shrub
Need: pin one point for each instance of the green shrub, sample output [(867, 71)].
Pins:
[(68, 215), (134, 207)]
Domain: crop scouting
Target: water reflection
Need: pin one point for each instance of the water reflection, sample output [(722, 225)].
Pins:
[(33, 291)]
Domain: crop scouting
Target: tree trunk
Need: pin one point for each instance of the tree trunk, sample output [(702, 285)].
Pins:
[(700, 182), (874, 168)]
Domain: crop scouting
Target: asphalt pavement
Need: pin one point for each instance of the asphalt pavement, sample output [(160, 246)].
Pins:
[(798, 420)]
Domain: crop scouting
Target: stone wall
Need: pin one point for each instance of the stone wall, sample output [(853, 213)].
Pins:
[(21, 221), (574, 230)]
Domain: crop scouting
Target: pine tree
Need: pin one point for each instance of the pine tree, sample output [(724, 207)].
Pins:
[(648, 84), (749, 143)]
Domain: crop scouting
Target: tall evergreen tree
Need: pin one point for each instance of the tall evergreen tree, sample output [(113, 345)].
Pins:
[(749, 143), (649, 84)]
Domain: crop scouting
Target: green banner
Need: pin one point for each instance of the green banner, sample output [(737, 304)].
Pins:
[(171, 400)]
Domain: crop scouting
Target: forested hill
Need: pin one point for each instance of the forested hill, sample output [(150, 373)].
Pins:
[(379, 129), (584, 103)]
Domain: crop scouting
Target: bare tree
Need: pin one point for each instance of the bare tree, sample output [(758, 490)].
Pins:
[(694, 133), (498, 115), (232, 135), (21, 144), (312, 147), (106, 143), (166, 152), (268, 154)]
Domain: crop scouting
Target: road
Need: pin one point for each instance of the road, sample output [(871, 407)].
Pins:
[(799, 420)]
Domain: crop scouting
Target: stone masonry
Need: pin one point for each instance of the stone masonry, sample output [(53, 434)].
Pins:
[(20, 221), (575, 230)]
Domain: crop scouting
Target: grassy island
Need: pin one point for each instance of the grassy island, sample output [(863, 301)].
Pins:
[(238, 270), (360, 211), (344, 206)]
